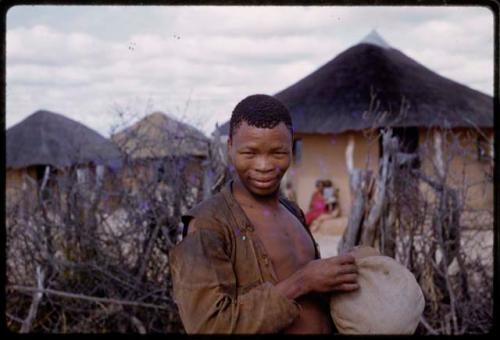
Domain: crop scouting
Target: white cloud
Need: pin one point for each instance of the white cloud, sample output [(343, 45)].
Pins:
[(82, 61)]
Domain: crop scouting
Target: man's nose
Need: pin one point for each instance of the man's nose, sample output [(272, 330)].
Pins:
[(263, 164)]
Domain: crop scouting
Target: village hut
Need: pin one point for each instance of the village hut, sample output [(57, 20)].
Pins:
[(46, 149), (373, 85), (158, 148)]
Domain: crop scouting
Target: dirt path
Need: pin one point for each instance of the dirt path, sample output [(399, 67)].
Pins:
[(327, 244)]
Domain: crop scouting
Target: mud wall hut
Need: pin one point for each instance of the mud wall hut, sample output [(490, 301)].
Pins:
[(158, 150), (369, 86), (48, 149)]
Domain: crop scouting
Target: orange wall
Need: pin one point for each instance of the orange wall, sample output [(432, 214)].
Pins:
[(464, 166), (139, 175), (14, 185), (16, 178), (323, 157)]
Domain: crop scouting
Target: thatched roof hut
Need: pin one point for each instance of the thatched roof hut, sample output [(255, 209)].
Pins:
[(369, 85), (159, 136), (48, 138), (163, 150), (334, 98)]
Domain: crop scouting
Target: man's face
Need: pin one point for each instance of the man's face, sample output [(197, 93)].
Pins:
[(260, 156)]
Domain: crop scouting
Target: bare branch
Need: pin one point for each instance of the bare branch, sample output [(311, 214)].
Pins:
[(26, 326), (84, 297)]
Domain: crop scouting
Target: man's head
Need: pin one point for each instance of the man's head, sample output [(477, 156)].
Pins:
[(319, 184), (261, 111), (260, 143)]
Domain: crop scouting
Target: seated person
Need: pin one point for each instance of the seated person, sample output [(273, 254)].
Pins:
[(317, 206), (330, 195)]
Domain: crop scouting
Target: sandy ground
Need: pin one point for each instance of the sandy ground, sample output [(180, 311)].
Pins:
[(327, 244), (328, 233)]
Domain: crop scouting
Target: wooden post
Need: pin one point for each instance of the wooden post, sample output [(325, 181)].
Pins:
[(438, 156), (369, 227), (358, 183)]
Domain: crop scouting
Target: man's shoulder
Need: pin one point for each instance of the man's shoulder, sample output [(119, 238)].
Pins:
[(208, 215), (291, 204), (210, 208), (294, 208)]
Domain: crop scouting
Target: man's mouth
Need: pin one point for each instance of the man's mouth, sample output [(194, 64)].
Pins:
[(263, 183)]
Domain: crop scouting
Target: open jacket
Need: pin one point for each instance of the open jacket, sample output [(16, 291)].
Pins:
[(223, 280)]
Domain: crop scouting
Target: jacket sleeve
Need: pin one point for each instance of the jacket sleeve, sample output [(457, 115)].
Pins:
[(205, 291)]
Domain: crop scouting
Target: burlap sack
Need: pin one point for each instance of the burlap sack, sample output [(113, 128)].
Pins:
[(389, 300)]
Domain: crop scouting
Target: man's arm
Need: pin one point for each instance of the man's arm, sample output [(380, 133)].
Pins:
[(205, 287)]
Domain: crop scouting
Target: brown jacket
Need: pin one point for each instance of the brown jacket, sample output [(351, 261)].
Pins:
[(223, 281)]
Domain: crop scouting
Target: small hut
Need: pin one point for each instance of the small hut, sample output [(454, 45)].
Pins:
[(47, 147), (158, 148), (369, 86)]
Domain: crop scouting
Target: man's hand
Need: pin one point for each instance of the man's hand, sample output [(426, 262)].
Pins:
[(334, 274), (337, 273)]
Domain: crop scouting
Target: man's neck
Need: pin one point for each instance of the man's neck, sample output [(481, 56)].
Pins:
[(245, 197)]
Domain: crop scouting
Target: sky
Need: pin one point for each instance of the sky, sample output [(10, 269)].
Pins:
[(108, 66)]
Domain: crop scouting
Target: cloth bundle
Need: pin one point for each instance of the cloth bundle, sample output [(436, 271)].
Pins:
[(389, 300)]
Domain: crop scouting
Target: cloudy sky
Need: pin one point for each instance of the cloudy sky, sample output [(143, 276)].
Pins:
[(195, 63)]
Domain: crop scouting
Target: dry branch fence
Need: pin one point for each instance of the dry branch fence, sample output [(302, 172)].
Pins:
[(90, 255), (422, 216)]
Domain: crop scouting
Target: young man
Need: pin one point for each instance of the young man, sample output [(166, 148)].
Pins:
[(247, 263)]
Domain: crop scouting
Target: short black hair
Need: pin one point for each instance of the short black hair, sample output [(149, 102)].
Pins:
[(260, 110)]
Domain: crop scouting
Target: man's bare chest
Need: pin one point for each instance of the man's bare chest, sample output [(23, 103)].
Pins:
[(285, 239)]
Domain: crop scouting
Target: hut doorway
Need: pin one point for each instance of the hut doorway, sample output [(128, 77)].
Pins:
[(45, 176), (408, 138)]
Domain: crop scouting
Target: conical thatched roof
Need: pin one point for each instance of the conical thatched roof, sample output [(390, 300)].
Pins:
[(333, 98), (47, 138), (158, 135)]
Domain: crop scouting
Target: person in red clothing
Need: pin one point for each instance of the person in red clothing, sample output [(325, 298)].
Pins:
[(317, 206)]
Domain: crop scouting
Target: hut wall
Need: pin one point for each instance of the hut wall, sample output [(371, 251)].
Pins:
[(111, 181), (465, 167), (14, 179), (138, 175), (13, 184), (323, 157), (59, 185)]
